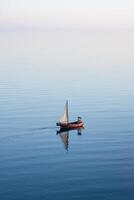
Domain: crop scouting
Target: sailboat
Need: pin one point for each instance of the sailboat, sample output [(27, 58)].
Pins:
[(64, 120)]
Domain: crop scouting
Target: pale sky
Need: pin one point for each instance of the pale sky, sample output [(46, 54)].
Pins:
[(66, 14)]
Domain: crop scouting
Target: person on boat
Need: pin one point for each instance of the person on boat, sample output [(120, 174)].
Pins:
[(79, 120)]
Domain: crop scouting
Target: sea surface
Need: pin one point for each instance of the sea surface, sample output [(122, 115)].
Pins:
[(39, 71)]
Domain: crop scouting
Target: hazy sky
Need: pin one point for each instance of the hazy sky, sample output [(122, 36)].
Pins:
[(66, 13)]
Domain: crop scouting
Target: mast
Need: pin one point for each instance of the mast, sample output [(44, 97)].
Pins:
[(67, 111)]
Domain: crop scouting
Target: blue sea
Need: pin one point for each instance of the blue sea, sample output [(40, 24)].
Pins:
[(39, 71)]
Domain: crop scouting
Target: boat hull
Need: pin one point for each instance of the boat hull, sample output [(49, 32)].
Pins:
[(72, 125)]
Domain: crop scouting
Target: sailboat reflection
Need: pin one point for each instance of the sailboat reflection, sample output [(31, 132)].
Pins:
[(64, 135)]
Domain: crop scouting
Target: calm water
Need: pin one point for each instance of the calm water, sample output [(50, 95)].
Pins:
[(38, 72)]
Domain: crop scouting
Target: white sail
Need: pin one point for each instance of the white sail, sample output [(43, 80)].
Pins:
[(64, 117)]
